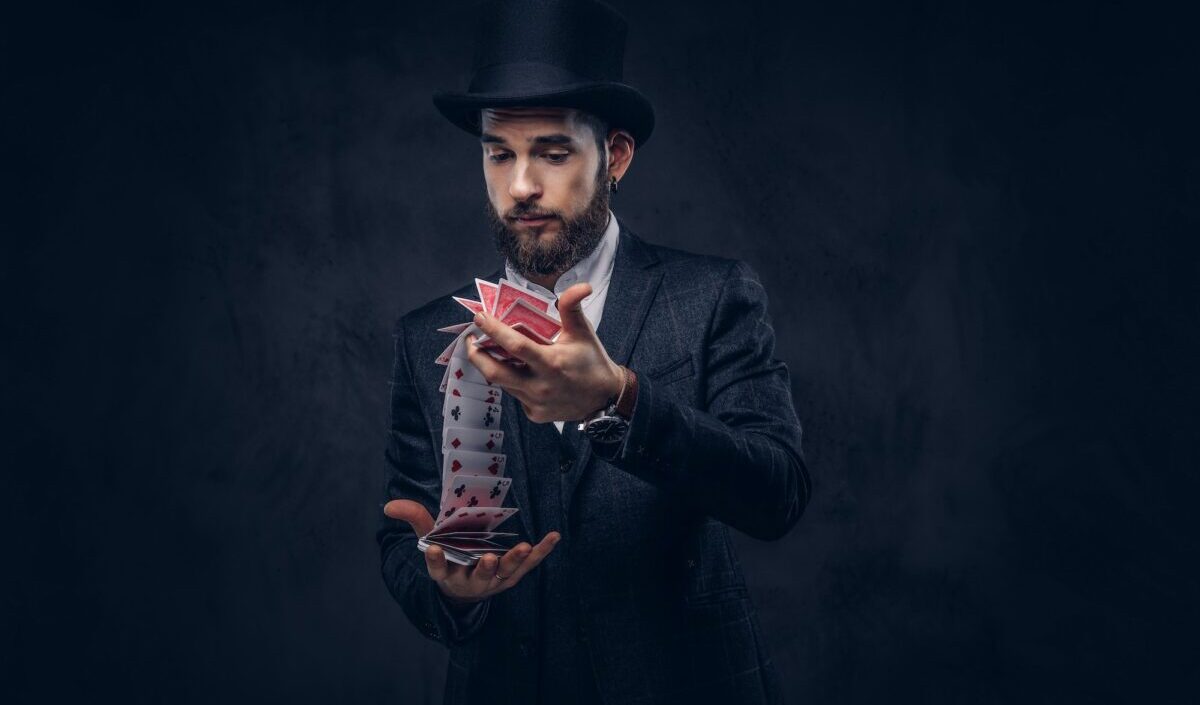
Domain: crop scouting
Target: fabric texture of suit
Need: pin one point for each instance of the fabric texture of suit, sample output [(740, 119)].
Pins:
[(645, 592)]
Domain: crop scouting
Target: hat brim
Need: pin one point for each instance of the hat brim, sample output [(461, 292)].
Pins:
[(620, 104)]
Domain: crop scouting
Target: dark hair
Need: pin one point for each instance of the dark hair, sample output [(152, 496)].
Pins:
[(599, 128)]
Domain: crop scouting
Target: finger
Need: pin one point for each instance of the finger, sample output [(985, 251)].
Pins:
[(413, 512), (537, 555), (570, 310), (515, 343), (510, 562), (435, 563), (494, 371), (483, 572)]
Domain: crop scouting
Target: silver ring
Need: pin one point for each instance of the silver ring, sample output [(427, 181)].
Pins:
[(501, 577)]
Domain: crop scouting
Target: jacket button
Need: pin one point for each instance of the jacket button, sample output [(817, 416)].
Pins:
[(691, 562), (565, 465)]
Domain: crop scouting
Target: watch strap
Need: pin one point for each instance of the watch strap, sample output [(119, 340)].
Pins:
[(628, 397)]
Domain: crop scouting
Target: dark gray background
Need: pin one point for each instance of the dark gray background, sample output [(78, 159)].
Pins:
[(974, 225)]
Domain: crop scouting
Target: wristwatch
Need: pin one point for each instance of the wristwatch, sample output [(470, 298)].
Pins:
[(609, 424)]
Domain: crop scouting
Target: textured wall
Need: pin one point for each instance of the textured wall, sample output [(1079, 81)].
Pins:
[(973, 225)]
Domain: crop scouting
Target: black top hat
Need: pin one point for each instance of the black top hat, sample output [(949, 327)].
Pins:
[(561, 53)]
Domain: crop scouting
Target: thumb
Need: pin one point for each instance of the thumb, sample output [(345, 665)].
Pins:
[(570, 309), (412, 512)]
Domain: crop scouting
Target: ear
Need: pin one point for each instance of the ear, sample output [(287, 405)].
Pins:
[(620, 152)]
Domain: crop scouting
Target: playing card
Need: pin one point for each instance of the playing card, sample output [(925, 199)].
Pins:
[(474, 491), (472, 534), (470, 304), (490, 346), (487, 294), (475, 439), (471, 413), (463, 551), (493, 349), (470, 390), (468, 543), (456, 328), (444, 357), (509, 293), (473, 520), (470, 462), (460, 369), (522, 312)]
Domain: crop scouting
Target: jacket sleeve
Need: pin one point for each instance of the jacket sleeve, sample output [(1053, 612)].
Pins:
[(739, 459), (412, 473)]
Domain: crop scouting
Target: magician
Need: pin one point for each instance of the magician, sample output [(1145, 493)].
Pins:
[(656, 422)]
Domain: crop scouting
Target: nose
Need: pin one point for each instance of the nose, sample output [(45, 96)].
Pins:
[(523, 185)]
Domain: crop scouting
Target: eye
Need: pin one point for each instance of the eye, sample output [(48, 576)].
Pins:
[(557, 157), (497, 158)]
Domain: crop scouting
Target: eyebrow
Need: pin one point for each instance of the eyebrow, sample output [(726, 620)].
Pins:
[(556, 138)]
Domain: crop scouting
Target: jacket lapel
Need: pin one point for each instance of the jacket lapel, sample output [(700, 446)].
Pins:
[(631, 290)]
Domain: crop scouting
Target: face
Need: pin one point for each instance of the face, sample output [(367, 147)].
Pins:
[(547, 187)]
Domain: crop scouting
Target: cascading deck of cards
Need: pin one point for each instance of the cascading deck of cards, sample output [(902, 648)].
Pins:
[(473, 482)]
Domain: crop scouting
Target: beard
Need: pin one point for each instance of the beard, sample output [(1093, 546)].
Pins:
[(531, 254)]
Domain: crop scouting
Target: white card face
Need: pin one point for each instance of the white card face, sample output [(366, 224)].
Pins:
[(471, 413), (469, 390), (475, 439), (461, 370), (444, 357), (469, 462), (474, 519), (473, 491), (471, 329)]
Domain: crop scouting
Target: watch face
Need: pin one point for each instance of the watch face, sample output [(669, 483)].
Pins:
[(607, 429)]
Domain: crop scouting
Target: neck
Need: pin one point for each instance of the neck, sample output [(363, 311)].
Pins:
[(547, 281)]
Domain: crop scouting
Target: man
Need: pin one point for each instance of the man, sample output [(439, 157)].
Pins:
[(625, 587)]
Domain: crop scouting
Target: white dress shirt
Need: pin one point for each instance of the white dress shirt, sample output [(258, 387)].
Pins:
[(595, 269)]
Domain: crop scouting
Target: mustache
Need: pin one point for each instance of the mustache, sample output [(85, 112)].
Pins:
[(528, 211)]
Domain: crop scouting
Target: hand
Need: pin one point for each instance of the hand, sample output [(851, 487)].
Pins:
[(492, 574), (567, 380)]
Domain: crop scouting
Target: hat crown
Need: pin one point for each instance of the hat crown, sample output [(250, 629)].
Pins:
[(576, 40), (549, 53)]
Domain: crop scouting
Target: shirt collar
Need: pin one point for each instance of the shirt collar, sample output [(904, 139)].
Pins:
[(594, 269)]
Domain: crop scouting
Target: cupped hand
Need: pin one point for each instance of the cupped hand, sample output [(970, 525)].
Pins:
[(492, 574)]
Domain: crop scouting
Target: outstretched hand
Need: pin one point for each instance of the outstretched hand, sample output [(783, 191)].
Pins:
[(492, 574), (566, 380)]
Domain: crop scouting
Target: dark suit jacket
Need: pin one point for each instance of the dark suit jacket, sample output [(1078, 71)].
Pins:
[(663, 611)]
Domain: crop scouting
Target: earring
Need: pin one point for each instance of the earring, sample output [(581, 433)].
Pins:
[(612, 186)]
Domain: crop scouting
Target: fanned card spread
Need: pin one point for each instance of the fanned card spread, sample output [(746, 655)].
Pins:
[(473, 482)]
